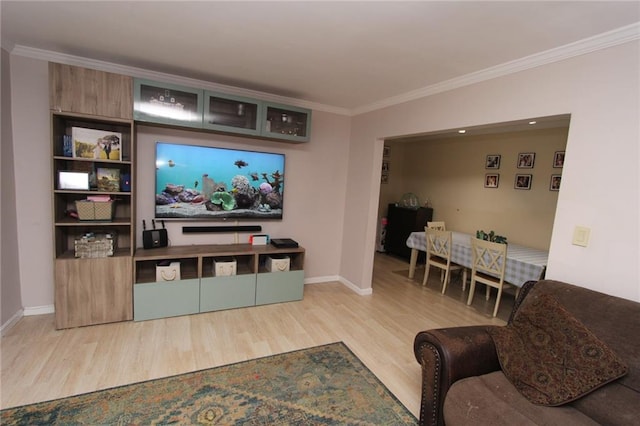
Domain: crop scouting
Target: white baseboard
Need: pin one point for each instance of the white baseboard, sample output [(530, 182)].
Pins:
[(12, 321), (341, 280), (39, 310)]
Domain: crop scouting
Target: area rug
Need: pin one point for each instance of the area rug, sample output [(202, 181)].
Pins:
[(316, 386)]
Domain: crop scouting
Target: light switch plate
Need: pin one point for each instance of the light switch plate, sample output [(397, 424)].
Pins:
[(581, 236)]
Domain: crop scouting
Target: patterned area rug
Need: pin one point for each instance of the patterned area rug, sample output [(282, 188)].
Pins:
[(316, 386)]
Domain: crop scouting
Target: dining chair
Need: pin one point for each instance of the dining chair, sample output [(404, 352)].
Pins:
[(439, 255), (437, 225), (488, 261)]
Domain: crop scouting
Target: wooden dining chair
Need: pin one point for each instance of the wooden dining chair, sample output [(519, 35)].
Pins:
[(488, 262), (437, 225), (439, 255)]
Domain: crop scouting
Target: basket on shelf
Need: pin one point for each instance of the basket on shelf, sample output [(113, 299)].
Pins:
[(94, 210), (95, 246)]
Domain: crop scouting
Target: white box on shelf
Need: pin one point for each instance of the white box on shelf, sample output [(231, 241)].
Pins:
[(170, 272), (259, 239), (224, 266), (277, 263)]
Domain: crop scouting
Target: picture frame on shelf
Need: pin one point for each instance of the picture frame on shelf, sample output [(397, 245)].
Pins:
[(558, 159), (108, 179), (492, 161), (491, 180), (554, 184), (526, 160), (523, 181), (96, 144)]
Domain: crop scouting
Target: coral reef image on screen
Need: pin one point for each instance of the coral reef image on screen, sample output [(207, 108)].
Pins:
[(200, 182)]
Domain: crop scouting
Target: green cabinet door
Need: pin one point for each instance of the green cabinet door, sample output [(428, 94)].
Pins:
[(166, 299), (237, 291), (276, 287)]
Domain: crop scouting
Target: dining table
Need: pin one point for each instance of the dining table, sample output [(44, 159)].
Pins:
[(523, 263)]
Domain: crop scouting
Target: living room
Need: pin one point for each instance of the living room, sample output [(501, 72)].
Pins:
[(596, 83)]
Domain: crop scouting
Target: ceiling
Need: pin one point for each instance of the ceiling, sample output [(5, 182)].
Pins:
[(346, 55)]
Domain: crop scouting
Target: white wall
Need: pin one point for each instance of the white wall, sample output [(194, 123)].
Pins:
[(313, 199), (33, 177), (600, 184), (341, 170), (10, 296)]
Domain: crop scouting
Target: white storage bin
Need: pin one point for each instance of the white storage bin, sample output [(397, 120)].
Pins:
[(277, 263), (224, 266), (170, 272)]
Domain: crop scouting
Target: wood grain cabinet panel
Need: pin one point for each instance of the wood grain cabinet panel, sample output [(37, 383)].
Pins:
[(87, 91), (93, 291)]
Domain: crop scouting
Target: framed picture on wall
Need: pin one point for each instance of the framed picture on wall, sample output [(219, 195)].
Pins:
[(523, 181), (554, 185), (491, 180), (384, 177), (558, 159), (492, 162), (526, 160)]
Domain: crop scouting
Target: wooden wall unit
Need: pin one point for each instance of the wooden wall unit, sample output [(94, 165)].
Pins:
[(92, 290), (87, 91)]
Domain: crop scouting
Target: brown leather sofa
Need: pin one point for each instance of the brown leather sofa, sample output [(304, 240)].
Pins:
[(462, 380)]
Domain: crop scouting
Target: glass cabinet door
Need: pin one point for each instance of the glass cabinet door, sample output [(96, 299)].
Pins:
[(166, 103), (286, 122), (230, 113)]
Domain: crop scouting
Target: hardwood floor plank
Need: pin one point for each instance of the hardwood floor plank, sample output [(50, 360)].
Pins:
[(40, 363)]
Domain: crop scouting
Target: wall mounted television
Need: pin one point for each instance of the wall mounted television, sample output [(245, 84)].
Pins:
[(204, 182)]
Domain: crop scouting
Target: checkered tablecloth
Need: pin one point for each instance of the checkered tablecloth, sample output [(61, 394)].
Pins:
[(523, 263)]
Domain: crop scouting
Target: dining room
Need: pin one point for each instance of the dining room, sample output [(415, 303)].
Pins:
[(503, 178)]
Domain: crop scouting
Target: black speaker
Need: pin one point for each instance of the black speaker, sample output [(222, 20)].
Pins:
[(231, 228), (154, 238)]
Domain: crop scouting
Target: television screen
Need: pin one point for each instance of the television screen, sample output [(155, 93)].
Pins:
[(200, 182)]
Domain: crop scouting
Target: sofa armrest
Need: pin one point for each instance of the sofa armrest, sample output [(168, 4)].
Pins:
[(447, 355)]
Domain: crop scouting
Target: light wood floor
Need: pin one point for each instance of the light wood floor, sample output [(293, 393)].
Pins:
[(40, 363)]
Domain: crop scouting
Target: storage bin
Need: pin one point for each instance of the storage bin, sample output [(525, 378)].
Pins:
[(94, 210), (277, 263), (224, 266), (170, 272), (95, 246)]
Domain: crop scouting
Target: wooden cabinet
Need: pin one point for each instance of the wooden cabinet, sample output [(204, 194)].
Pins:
[(200, 290), (401, 222), (86, 91), (92, 290)]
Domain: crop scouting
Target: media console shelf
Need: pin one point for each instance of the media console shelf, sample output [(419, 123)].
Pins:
[(199, 290)]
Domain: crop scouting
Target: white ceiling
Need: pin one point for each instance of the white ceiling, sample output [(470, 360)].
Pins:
[(347, 55)]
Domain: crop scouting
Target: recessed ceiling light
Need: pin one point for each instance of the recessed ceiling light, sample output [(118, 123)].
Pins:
[(462, 131), (533, 122)]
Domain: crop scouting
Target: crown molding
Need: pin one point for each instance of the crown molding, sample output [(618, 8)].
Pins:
[(51, 56), (602, 41)]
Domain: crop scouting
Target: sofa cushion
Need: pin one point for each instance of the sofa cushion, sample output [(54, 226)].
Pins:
[(491, 399), (550, 356)]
